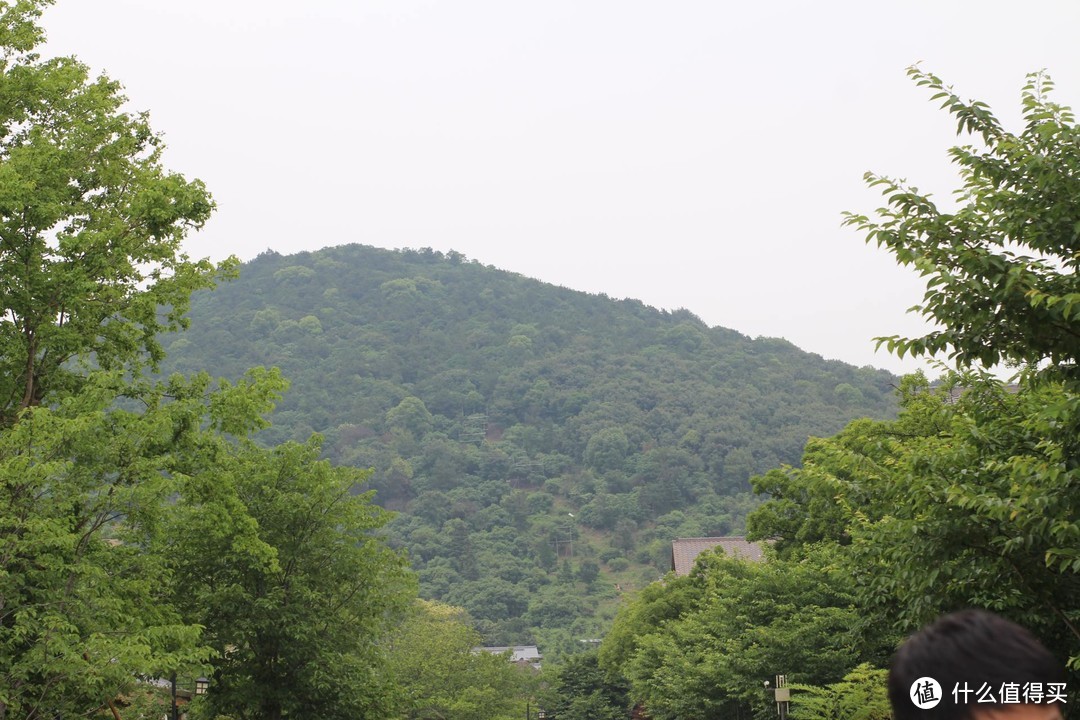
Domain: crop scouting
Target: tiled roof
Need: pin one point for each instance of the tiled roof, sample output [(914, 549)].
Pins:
[(684, 551)]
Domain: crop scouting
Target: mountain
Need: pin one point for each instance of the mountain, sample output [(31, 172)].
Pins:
[(542, 445)]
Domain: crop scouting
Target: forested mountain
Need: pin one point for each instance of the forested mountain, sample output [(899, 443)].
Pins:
[(542, 445)]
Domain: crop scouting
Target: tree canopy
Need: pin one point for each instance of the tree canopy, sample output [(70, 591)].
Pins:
[(1001, 269), (701, 646), (991, 515), (968, 499), (91, 224), (84, 606), (435, 661), (492, 407), (273, 552), (142, 533)]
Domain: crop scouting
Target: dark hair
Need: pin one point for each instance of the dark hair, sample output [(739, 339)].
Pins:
[(973, 647)]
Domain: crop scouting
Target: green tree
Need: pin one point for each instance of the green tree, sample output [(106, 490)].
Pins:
[(606, 449), (275, 555), (960, 502), (700, 647), (1001, 269), (441, 676), (984, 513), (410, 415), (588, 571), (90, 268), (84, 594), (654, 607), (90, 224), (582, 691), (840, 479), (100, 581), (989, 512), (861, 695)]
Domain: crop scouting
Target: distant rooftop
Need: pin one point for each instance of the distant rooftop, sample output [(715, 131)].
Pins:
[(684, 551), (518, 653)]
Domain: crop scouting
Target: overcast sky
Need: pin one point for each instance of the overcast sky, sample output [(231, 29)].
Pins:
[(689, 154)]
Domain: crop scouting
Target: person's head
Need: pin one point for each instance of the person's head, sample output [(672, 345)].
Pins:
[(966, 651)]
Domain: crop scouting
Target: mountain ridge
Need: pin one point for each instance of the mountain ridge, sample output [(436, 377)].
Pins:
[(491, 405)]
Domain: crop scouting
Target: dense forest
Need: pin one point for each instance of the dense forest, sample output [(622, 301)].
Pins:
[(542, 445), (534, 451)]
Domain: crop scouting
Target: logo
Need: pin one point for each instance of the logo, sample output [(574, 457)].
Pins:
[(925, 693)]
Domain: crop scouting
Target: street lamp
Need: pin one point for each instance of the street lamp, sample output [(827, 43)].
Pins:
[(540, 714), (202, 684)]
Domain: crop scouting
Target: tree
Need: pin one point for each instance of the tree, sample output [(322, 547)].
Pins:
[(100, 581), (90, 224), (700, 646), (1001, 270), (984, 514), (989, 513), (966, 499), (441, 676), (606, 450), (841, 479), (410, 415), (90, 271), (581, 691), (275, 555), (588, 571), (84, 596), (861, 695), (657, 605)]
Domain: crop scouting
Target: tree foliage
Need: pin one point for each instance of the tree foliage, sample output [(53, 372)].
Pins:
[(84, 604), (990, 516), (969, 498), (90, 224), (139, 543), (272, 552), (701, 645), (142, 533), (860, 695), (583, 691), (90, 271), (984, 513), (441, 674), (842, 479), (1001, 268)]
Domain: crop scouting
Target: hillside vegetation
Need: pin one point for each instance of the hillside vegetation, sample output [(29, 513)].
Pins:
[(542, 445)]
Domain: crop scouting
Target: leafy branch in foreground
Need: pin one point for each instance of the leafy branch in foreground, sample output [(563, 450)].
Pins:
[(91, 225), (1001, 269)]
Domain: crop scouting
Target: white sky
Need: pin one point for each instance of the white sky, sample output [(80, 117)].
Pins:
[(689, 154)]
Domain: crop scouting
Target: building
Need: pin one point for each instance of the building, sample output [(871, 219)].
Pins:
[(519, 654), (684, 551)]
